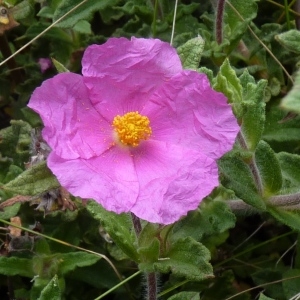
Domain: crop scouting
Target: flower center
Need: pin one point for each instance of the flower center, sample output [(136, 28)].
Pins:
[(131, 128)]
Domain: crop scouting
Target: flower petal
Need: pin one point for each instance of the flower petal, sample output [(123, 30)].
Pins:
[(73, 128), (110, 178), (173, 180), (187, 111), (122, 74)]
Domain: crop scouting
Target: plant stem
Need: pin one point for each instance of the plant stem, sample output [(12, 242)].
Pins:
[(219, 21), (151, 286), (150, 277)]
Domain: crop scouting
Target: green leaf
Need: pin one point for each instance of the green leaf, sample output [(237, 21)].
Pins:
[(237, 176), (228, 83), (117, 226), (265, 276), (290, 166), (290, 40), (186, 258), (287, 217), (59, 66), (185, 296), (15, 142), (268, 168), (190, 53), (51, 291), (33, 181), (291, 101), (10, 211), (253, 116), (291, 286), (263, 297), (280, 131), (149, 246), (84, 12), (11, 266), (23, 10), (70, 261), (83, 27), (212, 218), (246, 9)]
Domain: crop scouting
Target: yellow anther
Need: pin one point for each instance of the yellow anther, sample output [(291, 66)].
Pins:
[(131, 128)]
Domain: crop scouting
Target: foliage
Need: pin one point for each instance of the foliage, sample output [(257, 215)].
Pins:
[(244, 235)]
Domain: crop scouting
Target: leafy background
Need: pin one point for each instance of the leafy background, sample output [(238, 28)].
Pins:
[(242, 241)]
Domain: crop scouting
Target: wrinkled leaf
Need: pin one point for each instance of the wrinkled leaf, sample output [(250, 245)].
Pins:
[(290, 40), (291, 101), (190, 53), (186, 258), (33, 181)]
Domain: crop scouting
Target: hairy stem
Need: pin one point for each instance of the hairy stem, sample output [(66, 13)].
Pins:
[(297, 9), (219, 21), (150, 277), (285, 200), (151, 286)]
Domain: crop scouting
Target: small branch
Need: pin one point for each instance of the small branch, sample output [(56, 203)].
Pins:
[(285, 200), (240, 208), (219, 21)]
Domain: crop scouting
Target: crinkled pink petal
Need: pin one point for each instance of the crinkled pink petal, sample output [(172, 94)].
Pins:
[(110, 178), (187, 111), (73, 128), (122, 74), (173, 180)]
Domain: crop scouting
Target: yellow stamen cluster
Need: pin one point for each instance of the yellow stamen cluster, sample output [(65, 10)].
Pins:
[(131, 128)]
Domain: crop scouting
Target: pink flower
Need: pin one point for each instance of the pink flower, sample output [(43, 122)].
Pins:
[(45, 64), (136, 132)]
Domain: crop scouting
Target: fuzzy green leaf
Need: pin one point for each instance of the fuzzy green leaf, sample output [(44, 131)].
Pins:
[(185, 296), (51, 291), (237, 176), (253, 117), (212, 218), (11, 266), (245, 9), (268, 168), (190, 53), (33, 181), (291, 101), (117, 226), (186, 258), (290, 40), (228, 83), (15, 141), (290, 166), (289, 218)]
